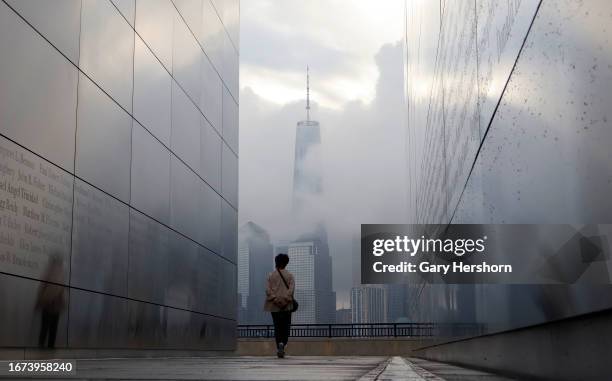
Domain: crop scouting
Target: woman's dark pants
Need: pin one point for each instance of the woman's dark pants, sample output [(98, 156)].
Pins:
[(282, 323)]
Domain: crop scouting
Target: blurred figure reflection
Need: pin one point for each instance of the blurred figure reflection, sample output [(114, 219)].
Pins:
[(51, 301)]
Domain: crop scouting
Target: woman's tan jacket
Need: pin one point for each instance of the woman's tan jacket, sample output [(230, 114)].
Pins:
[(278, 296)]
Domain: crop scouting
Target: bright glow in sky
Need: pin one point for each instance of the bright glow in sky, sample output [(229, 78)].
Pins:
[(337, 38)]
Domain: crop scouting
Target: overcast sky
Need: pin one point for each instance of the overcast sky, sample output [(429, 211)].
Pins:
[(354, 52)]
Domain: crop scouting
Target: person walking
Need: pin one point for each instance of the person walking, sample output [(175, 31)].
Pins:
[(279, 301)]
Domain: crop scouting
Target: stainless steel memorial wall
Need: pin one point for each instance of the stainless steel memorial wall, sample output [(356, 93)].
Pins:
[(509, 107), (118, 173)]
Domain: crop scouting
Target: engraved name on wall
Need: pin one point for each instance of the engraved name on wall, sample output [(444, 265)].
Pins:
[(35, 212)]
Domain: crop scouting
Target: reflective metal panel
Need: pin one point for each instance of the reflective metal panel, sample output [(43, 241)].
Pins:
[(207, 266), (150, 185), (432, 197), (33, 313), (99, 241), (186, 59), (209, 217), (38, 92), (230, 232), (229, 176), (230, 15), (181, 282), (502, 27), (212, 274), (555, 114), (114, 231), (152, 93), (230, 121), (219, 333), (212, 33), (97, 321), (36, 215), (229, 67), (471, 207), (191, 11), (212, 92), (458, 60), (59, 21), (210, 155), (127, 9), (422, 36), (191, 330), (196, 331), (219, 6), (152, 326), (185, 137), (147, 327), (179, 328), (545, 157), (103, 143), (155, 24), (107, 50), (184, 193), (149, 256), (232, 22)]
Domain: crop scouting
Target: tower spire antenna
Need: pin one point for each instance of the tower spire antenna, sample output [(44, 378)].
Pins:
[(307, 93)]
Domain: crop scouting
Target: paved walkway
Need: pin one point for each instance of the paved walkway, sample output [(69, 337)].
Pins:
[(271, 368)]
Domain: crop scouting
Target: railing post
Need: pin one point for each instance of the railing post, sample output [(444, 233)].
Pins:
[(394, 329), (329, 331)]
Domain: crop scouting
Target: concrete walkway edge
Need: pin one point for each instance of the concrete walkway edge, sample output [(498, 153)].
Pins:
[(399, 369)]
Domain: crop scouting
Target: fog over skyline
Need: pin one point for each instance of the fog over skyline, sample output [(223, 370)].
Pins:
[(356, 95)]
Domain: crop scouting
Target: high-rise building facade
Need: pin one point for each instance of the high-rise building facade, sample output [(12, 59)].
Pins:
[(369, 304), (307, 177), (312, 271), (309, 258), (508, 122), (255, 262), (396, 306), (119, 174), (243, 279), (343, 316), (302, 257)]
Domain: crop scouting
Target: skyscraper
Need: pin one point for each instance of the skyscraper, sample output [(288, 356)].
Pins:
[(255, 261), (343, 316), (369, 304), (307, 181), (302, 265), (311, 266), (309, 253)]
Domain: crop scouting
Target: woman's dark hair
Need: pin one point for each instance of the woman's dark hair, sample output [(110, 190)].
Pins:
[(281, 260)]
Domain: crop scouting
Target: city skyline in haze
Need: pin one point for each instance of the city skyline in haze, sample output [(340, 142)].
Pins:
[(361, 127)]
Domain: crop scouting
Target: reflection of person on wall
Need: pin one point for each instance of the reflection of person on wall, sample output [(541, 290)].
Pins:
[(279, 301), (50, 301)]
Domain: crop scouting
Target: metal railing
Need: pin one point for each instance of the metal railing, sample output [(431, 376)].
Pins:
[(365, 330)]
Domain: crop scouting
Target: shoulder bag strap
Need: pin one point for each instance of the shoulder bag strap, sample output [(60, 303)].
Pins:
[(283, 278)]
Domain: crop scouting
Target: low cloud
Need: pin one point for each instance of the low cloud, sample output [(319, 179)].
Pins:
[(363, 160), (337, 37)]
